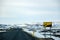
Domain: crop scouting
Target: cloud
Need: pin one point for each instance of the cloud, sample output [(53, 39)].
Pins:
[(34, 3), (29, 10)]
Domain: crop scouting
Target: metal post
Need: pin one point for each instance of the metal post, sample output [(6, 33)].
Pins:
[(50, 32), (33, 33), (45, 32)]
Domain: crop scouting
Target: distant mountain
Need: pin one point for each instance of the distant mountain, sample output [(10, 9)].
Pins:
[(2, 25)]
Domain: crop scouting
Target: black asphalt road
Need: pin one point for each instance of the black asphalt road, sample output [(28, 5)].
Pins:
[(16, 35)]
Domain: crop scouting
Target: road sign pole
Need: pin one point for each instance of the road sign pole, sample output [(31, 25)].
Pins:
[(33, 33)]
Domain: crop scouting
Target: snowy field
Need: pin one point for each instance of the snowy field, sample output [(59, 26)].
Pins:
[(40, 35)]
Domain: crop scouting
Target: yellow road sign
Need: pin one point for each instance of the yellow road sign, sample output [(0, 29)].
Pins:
[(47, 24)]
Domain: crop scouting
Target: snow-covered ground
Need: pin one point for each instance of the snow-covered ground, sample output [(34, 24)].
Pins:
[(40, 35), (30, 28)]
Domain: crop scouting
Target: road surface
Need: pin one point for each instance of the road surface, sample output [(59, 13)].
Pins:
[(16, 35)]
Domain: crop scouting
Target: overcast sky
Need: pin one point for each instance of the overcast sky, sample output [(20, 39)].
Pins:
[(22, 11)]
